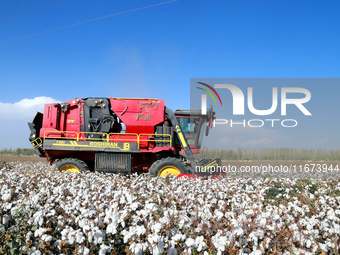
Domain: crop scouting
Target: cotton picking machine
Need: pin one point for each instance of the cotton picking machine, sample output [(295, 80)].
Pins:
[(121, 135)]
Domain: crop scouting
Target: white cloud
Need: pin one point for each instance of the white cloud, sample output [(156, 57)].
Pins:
[(24, 108), (14, 131), (318, 142)]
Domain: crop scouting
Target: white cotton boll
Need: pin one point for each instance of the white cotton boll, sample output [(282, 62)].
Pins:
[(331, 215), (140, 230), (270, 227), (157, 227), (256, 252), (64, 233), (83, 222), (336, 228), (104, 249), (83, 251), (152, 239), (98, 237), (51, 213), (178, 237), (137, 249), (134, 206), (172, 251), (126, 236), (122, 223), (6, 197), (35, 199), (263, 222), (219, 242), (190, 242), (8, 206), (142, 212), (39, 232), (5, 219), (165, 220), (122, 200), (71, 238), (238, 231), (38, 218), (198, 229), (37, 252), (80, 237), (200, 244), (308, 243), (40, 221), (28, 236), (111, 229), (46, 238), (151, 207), (324, 247), (330, 244), (322, 201), (309, 227), (218, 214), (293, 227)]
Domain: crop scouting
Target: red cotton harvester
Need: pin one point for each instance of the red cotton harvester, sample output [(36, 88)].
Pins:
[(121, 135)]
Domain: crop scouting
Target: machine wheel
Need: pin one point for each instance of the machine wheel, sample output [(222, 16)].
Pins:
[(166, 166), (71, 165)]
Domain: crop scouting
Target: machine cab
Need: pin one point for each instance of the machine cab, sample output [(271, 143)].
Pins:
[(193, 125)]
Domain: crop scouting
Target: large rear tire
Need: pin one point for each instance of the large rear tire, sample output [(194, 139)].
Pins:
[(168, 166), (71, 165)]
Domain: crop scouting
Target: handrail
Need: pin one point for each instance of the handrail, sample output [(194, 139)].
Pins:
[(77, 136), (107, 135), (157, 140)]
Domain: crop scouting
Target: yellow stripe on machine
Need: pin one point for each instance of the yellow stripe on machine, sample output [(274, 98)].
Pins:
[(180, 135), (114, 145), (211, 164)]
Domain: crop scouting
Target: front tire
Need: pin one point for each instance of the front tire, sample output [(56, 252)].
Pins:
[(72, 165), (168, 166)]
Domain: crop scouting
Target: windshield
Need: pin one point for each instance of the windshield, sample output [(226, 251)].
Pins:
[(191, 129)]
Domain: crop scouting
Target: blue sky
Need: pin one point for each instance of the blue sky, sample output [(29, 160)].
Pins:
[(154, 52)]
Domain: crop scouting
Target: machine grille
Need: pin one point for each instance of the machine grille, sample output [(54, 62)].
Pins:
[(113, 162)]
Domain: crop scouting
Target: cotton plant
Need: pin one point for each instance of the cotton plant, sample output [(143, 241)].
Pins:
[(84, 213)]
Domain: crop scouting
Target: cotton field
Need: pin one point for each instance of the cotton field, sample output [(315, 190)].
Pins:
[(46, 212)]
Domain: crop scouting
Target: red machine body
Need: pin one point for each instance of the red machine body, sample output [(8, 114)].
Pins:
[(117, 134)]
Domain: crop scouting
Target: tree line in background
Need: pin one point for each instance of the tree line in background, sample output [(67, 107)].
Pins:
[(18, 152), (240, 154), (271, 154)]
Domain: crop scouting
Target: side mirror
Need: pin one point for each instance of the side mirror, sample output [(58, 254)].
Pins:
[(207, 129)]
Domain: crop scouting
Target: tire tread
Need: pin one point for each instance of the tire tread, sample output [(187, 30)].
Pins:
[(159, 164)]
